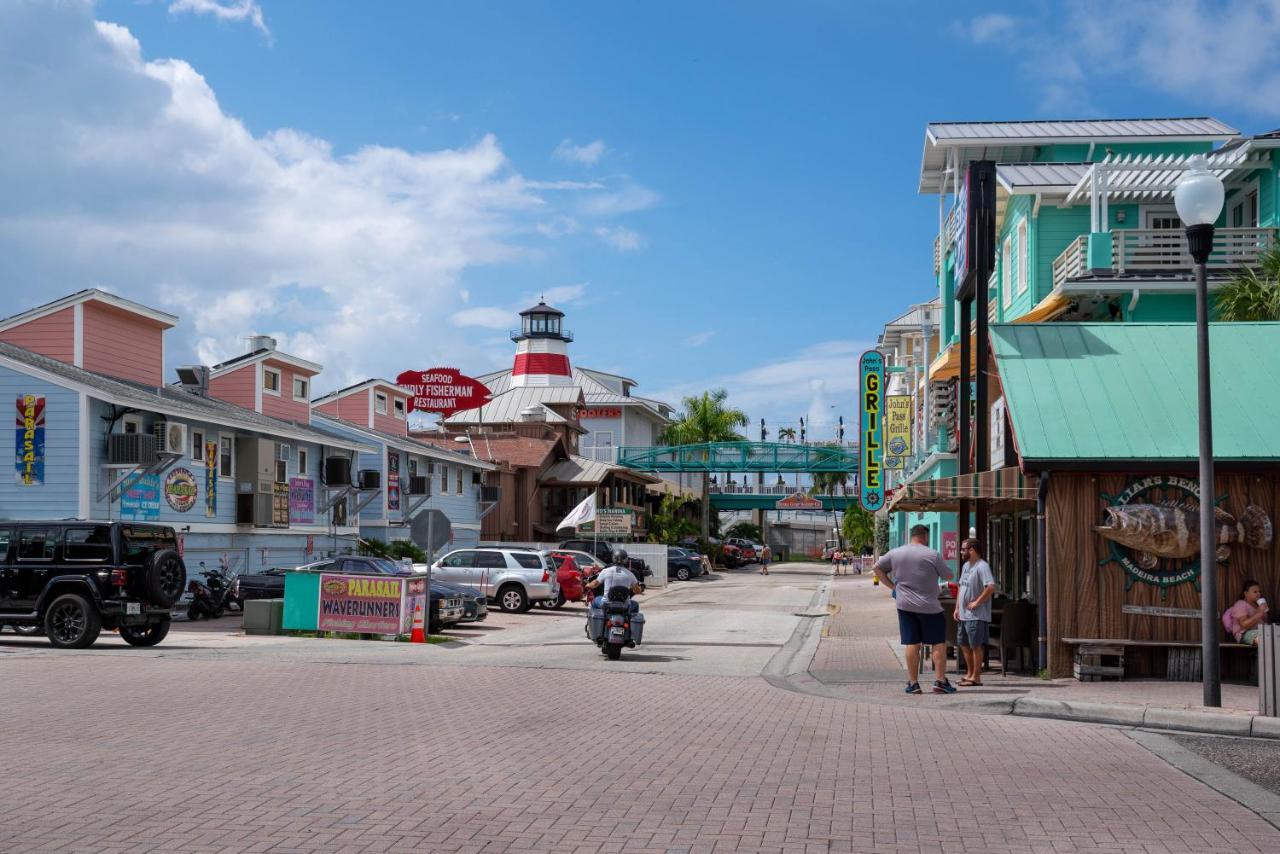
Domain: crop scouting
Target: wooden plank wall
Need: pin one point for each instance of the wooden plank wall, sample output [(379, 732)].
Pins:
[(1085, 595)]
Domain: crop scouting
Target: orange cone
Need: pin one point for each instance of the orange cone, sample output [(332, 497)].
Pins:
[(418, 634)]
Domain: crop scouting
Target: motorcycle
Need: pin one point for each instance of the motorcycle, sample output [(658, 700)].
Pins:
[(612, 625), (223, 586), (209, 600)]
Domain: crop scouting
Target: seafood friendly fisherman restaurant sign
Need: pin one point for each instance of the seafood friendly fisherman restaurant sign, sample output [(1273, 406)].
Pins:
[(443, 391)]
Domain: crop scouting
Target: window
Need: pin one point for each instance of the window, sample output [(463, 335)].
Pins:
[(6, 536), (300, 388), (490, 560), (1024, 257), (88, 543), (270, 380), (197, 446), (459, 480), (444, 480), (282, 463), (413, 467), (380, 403), (302, 461), (131, 424), (226, 461), (399, 407), (528, 560), (37, 543), (460, 559), (1006, 273)]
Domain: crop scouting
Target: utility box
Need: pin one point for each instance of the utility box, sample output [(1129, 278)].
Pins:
[(1269, 670), (263, 616)]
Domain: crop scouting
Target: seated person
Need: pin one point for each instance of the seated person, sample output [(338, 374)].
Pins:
[(616, 575), (1242, 619)]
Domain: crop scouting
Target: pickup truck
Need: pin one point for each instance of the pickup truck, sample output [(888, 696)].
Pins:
[(447, 607)]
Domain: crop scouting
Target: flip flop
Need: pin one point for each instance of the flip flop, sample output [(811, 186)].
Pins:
[(969, 683)]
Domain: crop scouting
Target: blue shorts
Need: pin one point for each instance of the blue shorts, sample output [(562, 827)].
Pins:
[(972, 633), (921, 628)]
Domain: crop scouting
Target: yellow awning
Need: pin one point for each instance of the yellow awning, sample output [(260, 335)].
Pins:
[(947, 365), (1049, 307)]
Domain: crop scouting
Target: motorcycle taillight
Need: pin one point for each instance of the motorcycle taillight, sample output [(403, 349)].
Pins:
[(120, 577)]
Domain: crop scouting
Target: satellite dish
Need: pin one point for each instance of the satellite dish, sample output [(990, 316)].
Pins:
[(440, 531)]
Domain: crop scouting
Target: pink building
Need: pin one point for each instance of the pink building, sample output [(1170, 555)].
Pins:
[(375, 404), (267, 381)]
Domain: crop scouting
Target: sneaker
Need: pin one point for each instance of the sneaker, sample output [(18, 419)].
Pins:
[(943, 687), (914, 688)]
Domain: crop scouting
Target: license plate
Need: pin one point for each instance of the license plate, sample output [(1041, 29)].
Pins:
[(133, 608), (617, 633)]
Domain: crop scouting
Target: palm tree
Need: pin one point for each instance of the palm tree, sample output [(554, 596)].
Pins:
[(787, 434), (1254, 294), (706, 419)]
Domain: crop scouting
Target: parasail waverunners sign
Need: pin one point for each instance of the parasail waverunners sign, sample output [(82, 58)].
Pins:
[(442, 390)]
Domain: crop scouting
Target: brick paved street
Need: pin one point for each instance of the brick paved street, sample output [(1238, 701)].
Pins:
[(115, 753)]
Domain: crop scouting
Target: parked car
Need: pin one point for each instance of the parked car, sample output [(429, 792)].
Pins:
[(512, 578), (446, 608), (683, 564), (584, 560), (604, 551), (71, 580), (475, 608), (569, 575), (732, 556)]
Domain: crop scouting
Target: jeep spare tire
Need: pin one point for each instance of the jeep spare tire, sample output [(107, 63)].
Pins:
[(164, 578)]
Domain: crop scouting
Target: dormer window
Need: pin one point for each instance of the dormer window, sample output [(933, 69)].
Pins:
[(398, 407), (271, 380), (380, 403)]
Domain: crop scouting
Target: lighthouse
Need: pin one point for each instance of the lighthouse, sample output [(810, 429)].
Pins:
[(542, 348)]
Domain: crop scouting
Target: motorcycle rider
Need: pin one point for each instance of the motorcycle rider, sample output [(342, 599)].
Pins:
[(616, 575)]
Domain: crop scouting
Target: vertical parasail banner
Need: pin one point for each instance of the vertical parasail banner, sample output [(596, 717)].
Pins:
[(871, 406), (28, 458)]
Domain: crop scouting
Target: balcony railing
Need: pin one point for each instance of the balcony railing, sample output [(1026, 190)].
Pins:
[(1164, 250)]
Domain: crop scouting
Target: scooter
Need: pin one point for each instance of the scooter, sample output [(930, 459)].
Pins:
[(205, 602), (613, 625)]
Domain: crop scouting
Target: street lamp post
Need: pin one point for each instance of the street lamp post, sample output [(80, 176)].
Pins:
[(1198, 197)]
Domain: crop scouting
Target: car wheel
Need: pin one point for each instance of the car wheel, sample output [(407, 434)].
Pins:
[(71, 622), (682, 573), (193, 613), (164, 578), (148, 635), (513, 600)]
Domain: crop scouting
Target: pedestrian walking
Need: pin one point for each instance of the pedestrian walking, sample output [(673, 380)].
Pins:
[(912, 573), (973, 610), (765, 555), (835, 561)]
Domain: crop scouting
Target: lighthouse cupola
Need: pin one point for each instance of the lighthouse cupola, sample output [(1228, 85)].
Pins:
[(542, 348)]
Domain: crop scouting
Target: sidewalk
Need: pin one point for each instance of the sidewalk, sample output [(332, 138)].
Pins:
[(859, 656)]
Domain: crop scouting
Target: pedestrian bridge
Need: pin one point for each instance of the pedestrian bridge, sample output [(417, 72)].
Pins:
[(755, 497), (769, 457)]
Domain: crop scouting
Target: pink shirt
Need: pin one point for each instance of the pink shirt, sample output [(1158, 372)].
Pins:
[(1231, 618)]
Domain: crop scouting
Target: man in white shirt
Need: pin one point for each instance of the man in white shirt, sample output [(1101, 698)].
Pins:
[(616, 576)]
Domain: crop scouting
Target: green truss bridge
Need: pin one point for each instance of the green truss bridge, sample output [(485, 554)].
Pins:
[(776, 458)]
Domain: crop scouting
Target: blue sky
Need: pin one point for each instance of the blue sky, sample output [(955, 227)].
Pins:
[(717, 193)]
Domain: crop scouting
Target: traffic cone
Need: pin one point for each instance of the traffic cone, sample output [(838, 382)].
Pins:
[(418, 634)]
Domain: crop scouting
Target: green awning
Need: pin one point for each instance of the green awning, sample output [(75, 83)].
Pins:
[(1126, 392)]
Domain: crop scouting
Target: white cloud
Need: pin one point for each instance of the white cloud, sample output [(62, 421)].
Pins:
[(628, 198), (620, 238), (585, 155), (697, 339), (123, 172), (563, 295), (240, 10), (985, 29), (488, 317)]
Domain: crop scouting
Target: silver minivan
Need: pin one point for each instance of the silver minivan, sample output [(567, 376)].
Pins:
[(511, 578)]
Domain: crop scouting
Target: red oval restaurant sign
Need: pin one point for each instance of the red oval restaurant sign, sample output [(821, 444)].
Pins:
[(442, 390)]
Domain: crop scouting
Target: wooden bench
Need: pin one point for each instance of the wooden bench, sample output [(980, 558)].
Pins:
[(1100, 658)]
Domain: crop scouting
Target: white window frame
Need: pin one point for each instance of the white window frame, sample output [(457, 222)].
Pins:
[(306, 388), (302, 461), (278, 374), (1006, 272), (197, 446), (1023, 256), (379, 403), (131, 421), (399, 409), (230, 438), (444, 479)]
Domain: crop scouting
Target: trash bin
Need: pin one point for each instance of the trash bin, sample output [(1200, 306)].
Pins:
[(1269, 670), (263, 616)]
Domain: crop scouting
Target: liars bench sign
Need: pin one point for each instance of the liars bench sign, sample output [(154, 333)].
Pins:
[(443, 391)]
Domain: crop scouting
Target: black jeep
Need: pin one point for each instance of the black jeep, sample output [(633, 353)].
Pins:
[(73, 579)]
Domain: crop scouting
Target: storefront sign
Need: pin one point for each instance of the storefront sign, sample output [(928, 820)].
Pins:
[(28, 458), (415, 596), (442, 390), (610, 520), (1156, 611), (210, 479), (140, 499), (871, 404), (999, 435), (897, 430), (798, 501), (360, 603), (950, 545), (602, 412), (302, 501), (180, 489), (393, 480)]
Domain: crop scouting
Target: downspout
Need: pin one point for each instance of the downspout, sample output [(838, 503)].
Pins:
[(1042, 559)]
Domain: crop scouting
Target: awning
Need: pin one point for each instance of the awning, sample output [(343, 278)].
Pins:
[(999, 486)]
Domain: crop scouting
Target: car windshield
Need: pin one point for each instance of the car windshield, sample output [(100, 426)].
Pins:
[(140, 541), (385, 566)]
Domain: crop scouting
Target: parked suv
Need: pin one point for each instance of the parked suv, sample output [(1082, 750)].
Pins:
[(604, 551), (73, 579), (512, 578)]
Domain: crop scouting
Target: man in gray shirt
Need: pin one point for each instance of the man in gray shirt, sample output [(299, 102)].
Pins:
[(912, 572)]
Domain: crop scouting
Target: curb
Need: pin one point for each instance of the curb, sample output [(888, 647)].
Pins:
[(1178, 720)]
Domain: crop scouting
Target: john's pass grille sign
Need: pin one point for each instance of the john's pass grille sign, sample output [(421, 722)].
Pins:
[(1152, 530), (871, 458)]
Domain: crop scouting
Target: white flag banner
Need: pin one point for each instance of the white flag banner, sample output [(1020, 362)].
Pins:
[(580, 515)]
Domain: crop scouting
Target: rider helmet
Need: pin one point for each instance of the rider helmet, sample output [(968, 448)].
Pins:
[(619, 557)]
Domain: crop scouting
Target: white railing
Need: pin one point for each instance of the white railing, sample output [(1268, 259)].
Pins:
[(1164, 250), (944, 240)]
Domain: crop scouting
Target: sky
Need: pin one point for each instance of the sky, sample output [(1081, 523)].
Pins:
[(717, 194)]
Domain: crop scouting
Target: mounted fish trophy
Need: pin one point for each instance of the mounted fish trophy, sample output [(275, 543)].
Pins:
[(1172, 530)]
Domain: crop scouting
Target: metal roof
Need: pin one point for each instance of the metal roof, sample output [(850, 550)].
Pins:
[(583, 470), (1121, 392), (169, 400), (98, 295), (1021, 178), (400, 443), (505, 408), (1016, 141)]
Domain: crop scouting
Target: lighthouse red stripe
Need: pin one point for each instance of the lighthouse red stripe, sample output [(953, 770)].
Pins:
[(554, 364)]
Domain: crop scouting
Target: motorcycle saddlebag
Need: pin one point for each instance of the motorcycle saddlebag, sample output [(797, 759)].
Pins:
[(637, 627), (596, 617)]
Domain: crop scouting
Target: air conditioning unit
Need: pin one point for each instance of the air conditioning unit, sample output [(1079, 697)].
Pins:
[(489, 493), (282, 452), (337, 471), (131, 449), (419, 485), (171, 437), (476, 478), (370, 479)]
